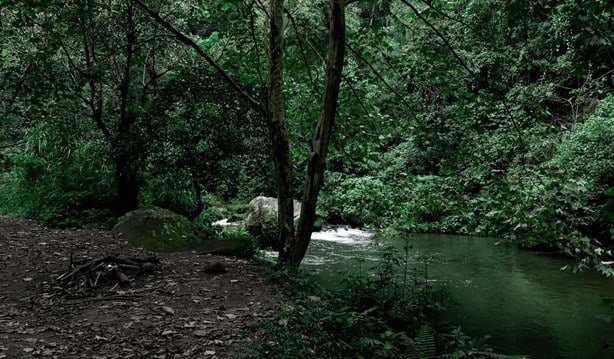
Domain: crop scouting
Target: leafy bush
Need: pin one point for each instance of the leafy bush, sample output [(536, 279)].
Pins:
[(58, 182), (403, 159), (544, 210), (587, 153), (248, 243), (170, 192), (357, 200), (396, 291), (588, 150)]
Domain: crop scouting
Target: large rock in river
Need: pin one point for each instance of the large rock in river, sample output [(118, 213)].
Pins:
[(156, 229), (261, 219)]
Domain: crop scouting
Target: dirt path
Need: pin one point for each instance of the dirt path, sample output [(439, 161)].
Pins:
[(180, 311)]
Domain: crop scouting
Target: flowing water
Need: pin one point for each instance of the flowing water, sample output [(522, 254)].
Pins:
[(522, 300)]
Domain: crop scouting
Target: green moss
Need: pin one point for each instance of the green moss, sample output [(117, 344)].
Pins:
[(156, 229)]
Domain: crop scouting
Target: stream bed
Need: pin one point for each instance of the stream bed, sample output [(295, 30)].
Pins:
[(519, 298)]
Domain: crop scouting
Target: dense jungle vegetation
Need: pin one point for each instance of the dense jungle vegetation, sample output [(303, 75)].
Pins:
[(478, 117), (472, 117)]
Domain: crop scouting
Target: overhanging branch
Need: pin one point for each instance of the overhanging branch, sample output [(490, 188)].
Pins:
[(464, 65), (302, 48), (189, 42), (455, 19), (376, 73), (440, 35)]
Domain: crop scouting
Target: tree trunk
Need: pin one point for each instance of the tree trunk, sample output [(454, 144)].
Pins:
[(124, 146), (128, 183), (324, 127), (279, 131), (292, 246), (200, 205)]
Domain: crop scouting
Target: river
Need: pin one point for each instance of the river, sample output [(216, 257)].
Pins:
[(522, 300)]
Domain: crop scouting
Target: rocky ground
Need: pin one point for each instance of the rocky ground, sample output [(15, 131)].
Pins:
[(185, 308)]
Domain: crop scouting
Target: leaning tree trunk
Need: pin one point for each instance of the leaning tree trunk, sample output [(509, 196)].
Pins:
[(279, 131), (324, 127)]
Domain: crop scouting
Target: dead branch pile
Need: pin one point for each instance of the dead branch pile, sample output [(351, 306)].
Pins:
[(79, 280)]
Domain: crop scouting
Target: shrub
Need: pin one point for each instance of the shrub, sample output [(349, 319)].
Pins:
[(357, 201), (544, 210), (172, 192), (587, 153), (58, 182), (587, 150)]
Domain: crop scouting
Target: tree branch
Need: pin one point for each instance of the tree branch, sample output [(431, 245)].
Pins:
[(440, 35), (302, 48), (343, 76), (189, 42), (377, 74), (442, 13), (464, 65)]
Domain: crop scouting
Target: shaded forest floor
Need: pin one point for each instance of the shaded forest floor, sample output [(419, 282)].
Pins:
[(179, 311)]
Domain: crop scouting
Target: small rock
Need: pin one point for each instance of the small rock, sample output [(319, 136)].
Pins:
[(215, 268), (168, 310)]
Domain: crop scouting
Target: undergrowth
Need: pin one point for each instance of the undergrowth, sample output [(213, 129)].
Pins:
[(384, 313)]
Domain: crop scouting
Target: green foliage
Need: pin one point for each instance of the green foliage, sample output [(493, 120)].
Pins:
[(462, 344), (170, 193), (587, 151), (497, 137), (380, 314), (209, 137), (356, 200), (396, 291), (483, 147), (160, 122), (57, 181), (543, 209), (247, 244)]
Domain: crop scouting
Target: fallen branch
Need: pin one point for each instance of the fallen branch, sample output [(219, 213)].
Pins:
[(77, 281)]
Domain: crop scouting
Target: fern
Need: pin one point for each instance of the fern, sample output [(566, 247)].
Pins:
[(425, 346), (491, 355)]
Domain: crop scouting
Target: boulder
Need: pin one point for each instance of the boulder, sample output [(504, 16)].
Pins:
[(156, 229), (261, 220)]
